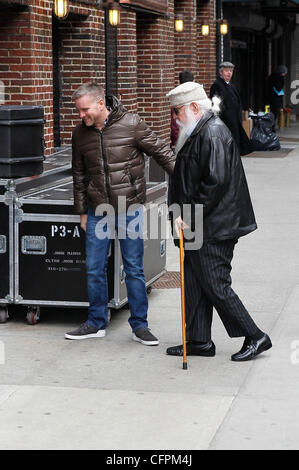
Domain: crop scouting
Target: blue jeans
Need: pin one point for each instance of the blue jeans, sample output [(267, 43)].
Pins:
[(98, 240)]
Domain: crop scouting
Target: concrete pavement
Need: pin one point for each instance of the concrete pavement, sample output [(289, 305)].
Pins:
[(113, 393)]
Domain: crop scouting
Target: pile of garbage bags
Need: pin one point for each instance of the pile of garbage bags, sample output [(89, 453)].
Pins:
[(263, 136)]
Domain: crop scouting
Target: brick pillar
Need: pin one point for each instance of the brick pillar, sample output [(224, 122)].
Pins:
[(155, 75), (185, 50), (155, 70), (81, 59), (41, 62), (206, 46), (127, 60)]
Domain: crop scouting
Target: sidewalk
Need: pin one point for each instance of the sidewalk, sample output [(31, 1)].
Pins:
[(291, 132), (113, 393)]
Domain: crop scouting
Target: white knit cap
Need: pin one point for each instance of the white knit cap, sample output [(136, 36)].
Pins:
[(188, 92)]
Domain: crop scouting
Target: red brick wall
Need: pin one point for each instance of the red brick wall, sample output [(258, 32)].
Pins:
[(186, 52), (26, 63), (26, 60), (82, 59), (206, 46), (15, 47), (192, 50), (150, 56), (155, 70), (127, 59)]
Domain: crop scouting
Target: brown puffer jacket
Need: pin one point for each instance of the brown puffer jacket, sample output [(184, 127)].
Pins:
[(110, 163)]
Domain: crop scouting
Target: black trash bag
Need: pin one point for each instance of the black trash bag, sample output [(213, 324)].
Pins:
[(262, 136)]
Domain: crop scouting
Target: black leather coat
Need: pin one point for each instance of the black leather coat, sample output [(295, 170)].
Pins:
[(209, 171)]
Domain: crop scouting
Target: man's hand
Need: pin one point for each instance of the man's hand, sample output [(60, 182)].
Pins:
[(180, 224), (83, 221)]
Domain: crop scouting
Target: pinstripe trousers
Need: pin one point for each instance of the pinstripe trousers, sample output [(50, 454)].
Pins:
[(208, 285)]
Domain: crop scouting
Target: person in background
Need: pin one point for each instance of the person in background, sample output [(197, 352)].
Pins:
[(184, 76), (231, 106), (275, 90)]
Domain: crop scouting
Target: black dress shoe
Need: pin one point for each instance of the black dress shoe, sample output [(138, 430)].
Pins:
[(252, 348), (193, 349)]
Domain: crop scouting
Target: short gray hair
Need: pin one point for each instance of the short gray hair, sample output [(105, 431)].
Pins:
[(92, 89)]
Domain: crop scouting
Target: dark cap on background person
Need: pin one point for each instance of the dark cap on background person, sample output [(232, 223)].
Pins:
[(186, 76), (281, 69)]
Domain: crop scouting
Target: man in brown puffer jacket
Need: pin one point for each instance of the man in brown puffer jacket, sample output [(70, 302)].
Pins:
[(108, 173)]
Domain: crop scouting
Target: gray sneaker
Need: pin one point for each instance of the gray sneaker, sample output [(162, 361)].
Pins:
[(85, 331), (144, 336)]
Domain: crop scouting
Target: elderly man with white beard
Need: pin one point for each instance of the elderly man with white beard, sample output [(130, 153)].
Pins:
[(209, 172)]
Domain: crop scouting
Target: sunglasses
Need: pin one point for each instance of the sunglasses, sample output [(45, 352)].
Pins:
[(176, 109)]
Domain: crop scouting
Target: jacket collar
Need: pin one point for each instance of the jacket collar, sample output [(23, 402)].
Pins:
[(222, 80), (117, 110), (206, 117)]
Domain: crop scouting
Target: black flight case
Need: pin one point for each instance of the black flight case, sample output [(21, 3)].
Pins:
[(57, 167), (22, 140), (49, 268)]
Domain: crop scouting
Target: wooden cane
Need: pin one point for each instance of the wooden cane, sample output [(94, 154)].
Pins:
[(183, 299)]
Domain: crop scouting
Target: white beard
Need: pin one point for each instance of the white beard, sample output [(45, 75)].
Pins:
[(184, 130)]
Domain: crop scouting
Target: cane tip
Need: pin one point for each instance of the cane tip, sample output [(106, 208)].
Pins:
[(185, 366)]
